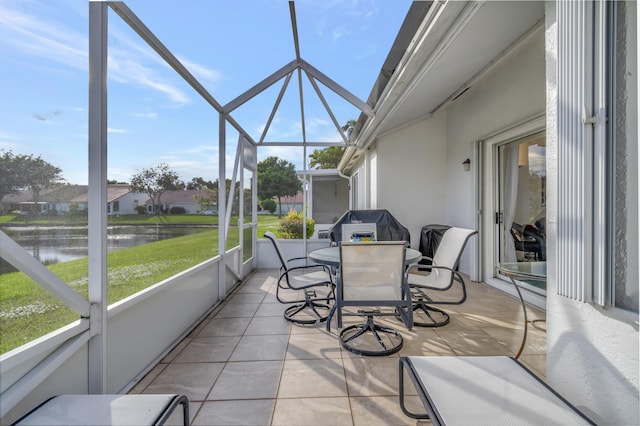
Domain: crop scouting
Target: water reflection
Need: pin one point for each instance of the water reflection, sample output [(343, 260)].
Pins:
[(58, 244)]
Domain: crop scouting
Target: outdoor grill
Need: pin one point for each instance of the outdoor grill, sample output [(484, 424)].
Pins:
[(387, 227)]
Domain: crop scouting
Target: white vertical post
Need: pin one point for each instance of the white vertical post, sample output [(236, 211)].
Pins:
[(241, 204), (98, 29), (478, 198), (222, 219)]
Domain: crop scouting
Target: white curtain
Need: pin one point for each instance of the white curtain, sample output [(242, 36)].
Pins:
[(510, 194)]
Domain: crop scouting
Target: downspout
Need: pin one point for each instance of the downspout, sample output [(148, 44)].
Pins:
[(348, 178), (304, 209)]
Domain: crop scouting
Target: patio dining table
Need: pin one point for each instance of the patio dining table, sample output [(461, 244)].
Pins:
[(330, 256)]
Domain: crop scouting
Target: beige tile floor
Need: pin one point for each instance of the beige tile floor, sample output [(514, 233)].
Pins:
[(246, 365)]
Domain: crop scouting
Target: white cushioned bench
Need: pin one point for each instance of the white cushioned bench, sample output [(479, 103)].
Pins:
[(484, 390), (86, 410)]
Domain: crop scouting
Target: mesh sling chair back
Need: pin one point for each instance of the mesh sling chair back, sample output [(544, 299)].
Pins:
[(372, 274), (307, 288), (441, 277)]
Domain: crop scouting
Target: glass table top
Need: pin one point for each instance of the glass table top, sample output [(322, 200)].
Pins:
[(530, 270)]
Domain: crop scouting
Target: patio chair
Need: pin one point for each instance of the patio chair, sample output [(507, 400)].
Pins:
[(298, 277), (441, 277), (372, 274), (529, 240)]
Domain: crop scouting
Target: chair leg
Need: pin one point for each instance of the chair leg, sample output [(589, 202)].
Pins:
[(436, 317), (392, 345), (311, 305)]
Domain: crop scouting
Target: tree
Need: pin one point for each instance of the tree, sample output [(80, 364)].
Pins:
[(269, 205), (154, 181), (329, 158), (26, 171), (277, 178), (208, 198), (200, 183)]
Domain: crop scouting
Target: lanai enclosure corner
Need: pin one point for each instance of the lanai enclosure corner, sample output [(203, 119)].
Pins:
[(464, 80)]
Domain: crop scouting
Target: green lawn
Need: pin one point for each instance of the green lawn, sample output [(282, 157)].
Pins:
[(28, 312)]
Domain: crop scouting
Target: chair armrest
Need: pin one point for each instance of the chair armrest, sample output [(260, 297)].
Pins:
[(421, 267), (312, 266)]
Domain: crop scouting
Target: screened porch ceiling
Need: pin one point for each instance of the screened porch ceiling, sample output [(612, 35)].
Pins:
[(440, 51)]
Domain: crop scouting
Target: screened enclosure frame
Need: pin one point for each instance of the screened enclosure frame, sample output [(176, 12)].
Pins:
[(90, 330)]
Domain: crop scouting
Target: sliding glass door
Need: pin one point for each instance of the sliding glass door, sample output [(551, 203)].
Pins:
[(521, 194)]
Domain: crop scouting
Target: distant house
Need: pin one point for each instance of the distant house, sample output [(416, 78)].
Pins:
[(23, 202), (67, 198), (60, 199), (50, 200), (290, 203), (185, 199), (120, 200)]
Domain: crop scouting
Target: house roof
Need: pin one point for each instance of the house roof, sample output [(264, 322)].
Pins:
[(114, 191), (22, 196), (65, 193), (297, 199), (181, 196)]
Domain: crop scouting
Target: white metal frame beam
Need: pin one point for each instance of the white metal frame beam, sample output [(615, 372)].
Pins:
[(97, 233), (139, 27), (13, 253)]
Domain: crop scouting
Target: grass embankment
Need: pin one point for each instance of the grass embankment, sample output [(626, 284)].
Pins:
[(28, 312)]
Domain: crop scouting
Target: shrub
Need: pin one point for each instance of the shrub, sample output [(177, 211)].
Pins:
[(177, 210), (141, 209), (269, 205), (291, 226)]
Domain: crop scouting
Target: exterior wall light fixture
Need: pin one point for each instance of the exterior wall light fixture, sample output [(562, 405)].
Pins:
[(467, 165)]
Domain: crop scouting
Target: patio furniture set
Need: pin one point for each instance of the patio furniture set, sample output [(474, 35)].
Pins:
[(370, 266)]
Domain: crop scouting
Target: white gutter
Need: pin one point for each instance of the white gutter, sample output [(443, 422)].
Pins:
[(386, 106)]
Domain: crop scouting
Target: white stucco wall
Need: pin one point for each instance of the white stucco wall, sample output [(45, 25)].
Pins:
[(425, 158), (410, 168), (592, 354), (513, 92)]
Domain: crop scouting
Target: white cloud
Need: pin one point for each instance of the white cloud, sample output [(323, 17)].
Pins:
[(203, 73), (150, 115), (339, 32), (126, 70), (33, 36), (115, 130)]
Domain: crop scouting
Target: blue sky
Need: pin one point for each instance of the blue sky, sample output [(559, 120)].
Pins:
[(154, 117)]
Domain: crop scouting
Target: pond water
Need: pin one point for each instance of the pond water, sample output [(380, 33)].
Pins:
[(58, 244)]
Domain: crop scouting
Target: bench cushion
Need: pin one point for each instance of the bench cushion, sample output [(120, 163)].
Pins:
[(104, 410), (486, 390)]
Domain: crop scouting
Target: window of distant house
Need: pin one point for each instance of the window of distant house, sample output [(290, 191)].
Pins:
[(622, 154), (116, 206)]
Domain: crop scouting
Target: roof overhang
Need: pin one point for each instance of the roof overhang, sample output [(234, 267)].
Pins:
[(455, 44), (321, 174)]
